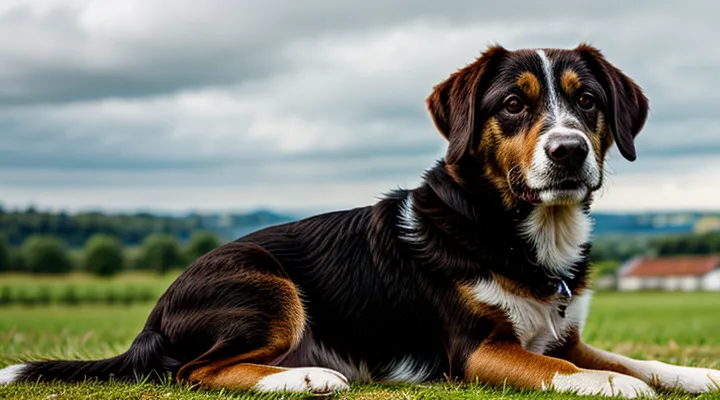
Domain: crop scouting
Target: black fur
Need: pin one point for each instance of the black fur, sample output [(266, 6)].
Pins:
[(146, 359)]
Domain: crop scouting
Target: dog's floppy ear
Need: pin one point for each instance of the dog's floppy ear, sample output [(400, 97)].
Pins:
[(452, 104), (628, 106)]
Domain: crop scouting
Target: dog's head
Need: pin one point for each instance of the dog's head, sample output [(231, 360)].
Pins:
[(538, 123)]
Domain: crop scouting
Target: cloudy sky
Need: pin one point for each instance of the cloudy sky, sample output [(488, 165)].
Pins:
[(316, 104)]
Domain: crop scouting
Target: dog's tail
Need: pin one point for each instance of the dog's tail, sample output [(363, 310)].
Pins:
[(145, 359)]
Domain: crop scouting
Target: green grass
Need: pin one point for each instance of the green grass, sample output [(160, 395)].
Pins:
[(87, 283), (681, 328)]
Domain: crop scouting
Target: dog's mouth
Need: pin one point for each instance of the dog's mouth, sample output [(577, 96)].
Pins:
[(571, 185), (562, 191)]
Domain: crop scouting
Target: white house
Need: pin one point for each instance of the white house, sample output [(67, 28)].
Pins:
[(670, 273)]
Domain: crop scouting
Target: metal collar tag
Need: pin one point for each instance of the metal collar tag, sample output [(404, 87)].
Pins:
[(560, 303)]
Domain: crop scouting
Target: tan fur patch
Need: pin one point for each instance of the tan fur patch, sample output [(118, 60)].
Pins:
[(452, 170), (530, 85), (501, 363), (513, 154), (584, 356), (513, 287), (490, 144), (242, 376), (605, 138), (467, 297), (293, 323), (570, 81)]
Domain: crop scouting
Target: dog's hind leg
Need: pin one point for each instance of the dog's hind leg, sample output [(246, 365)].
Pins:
[(247, 372), (250, 315)]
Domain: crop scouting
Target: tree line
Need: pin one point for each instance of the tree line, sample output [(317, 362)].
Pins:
[(130, 229), (103, 254), (76, 229), (623, 248)]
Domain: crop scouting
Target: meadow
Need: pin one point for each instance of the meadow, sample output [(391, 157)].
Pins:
[(682, 328)]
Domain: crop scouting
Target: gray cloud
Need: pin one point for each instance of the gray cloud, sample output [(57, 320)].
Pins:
[(93, 49), (236, 93)]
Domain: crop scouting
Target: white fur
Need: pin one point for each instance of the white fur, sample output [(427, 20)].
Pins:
[(558, 227), (530, 317), (558, 113), (409, 370), (10, 374), (550, 83), (578, 311), (603, 383), (407, 220), (539, 175), (314, 380), (557, 234), (666, 376)]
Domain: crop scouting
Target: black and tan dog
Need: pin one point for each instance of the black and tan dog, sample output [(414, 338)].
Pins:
[(479, 273)]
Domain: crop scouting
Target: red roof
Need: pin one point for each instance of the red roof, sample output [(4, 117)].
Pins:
[(674, 266)]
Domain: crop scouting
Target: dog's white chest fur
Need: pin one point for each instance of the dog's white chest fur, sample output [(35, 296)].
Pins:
[(557, 234), (531, 319)]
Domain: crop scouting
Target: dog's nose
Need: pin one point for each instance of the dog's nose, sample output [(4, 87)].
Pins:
[(569, 151)]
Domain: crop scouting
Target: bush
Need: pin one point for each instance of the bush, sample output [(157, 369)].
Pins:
[(161, 253), (5, 262), (44, 296), (111, 297), (6, 296), (103, 255), (200, 243), (17, 262), (45, 254), (70, 297)]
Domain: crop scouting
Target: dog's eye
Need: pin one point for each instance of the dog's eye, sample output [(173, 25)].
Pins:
[(586, 101), (514, 105)]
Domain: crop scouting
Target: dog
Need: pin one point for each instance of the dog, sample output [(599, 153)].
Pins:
[(480, 273)]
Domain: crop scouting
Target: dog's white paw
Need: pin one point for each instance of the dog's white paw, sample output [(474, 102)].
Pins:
[(602, 383), (689, 379), (10, 374), (311, 379)]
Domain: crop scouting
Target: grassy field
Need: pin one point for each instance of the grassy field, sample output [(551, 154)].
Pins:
[(85, 286), (678, 328)]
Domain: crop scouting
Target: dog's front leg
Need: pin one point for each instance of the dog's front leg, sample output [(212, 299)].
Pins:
[(654, 373), (500, 363)]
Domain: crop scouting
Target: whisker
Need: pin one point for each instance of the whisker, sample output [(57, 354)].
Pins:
[(508, 178)]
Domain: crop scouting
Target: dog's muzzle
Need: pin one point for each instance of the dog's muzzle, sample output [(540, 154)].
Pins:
[(563, 170)]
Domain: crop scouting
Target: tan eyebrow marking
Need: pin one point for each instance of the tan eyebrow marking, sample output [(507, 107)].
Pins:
[(529, 84), (570, 81)]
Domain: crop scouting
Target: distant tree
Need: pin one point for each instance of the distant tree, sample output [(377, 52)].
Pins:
[(161, 253), (713, 240), (17, 262), (201, 242), (46, 254), (103, 255), (605, 268), (5, 262)]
